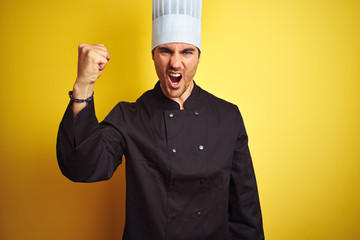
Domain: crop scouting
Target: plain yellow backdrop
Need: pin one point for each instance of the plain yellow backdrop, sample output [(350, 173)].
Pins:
[(292, 67)]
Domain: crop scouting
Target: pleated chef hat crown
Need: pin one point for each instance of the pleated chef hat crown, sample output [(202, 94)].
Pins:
[(176, 21)]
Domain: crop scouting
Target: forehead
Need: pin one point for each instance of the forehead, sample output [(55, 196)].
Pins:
[(177, 46)]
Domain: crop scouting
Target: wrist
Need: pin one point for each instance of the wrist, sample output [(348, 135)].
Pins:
[(82, 91), (77, 100)]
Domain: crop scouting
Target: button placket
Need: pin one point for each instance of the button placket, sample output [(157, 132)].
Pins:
[(172, 216)]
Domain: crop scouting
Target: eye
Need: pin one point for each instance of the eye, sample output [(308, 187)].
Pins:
[(188, 52), (164, 51)]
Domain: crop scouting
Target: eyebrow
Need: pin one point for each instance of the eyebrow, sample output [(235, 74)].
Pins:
[(190, 49), (165, 49)]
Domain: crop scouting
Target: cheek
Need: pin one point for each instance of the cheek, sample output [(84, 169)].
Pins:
[(191, 67), (159, 67)]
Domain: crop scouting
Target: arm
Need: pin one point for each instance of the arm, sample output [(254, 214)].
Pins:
[(86, 150), (245, 218)]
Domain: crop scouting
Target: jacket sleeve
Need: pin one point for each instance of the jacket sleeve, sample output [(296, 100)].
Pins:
[(245, 220), (86, 150)]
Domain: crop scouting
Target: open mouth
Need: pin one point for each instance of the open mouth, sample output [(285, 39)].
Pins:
[(175, 79)]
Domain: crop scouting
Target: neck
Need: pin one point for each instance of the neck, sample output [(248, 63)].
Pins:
[(181, 100)]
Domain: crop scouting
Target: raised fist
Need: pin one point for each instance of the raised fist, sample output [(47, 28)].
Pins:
[(91, 62)]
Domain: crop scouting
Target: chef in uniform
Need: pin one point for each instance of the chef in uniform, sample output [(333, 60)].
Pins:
[(189, 173)]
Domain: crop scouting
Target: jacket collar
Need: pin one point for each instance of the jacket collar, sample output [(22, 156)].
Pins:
[(191, 103)]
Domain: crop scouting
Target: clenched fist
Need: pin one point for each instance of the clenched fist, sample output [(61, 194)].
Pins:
[(92, 60)]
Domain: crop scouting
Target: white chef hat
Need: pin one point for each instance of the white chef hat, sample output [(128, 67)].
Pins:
[(176, 21)]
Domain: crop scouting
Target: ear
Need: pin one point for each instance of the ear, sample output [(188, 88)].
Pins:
[(199, 52), (152, 54)]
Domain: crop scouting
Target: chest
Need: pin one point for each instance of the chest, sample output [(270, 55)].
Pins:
[(188, 144)]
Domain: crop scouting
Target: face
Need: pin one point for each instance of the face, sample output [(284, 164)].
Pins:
[(175, 65)]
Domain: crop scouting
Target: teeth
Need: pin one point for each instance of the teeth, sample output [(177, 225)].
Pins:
[(175, 74)]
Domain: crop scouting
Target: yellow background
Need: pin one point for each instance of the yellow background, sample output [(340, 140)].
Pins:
[(292, 67)]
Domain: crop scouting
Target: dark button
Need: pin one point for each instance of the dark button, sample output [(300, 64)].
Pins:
[(173, 184), (173, 216), (198, 214), (174, 150), (202, 181), (201, 147), (171, 115), (196, 113)]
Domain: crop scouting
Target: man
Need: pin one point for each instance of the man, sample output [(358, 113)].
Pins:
[(188, 168)]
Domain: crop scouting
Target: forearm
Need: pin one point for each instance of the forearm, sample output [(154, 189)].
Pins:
[(83, 147), (245, 218)]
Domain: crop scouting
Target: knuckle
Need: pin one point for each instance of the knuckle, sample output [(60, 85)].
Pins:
[(91, 52), (83, 48), (102, 46), (82, 45)]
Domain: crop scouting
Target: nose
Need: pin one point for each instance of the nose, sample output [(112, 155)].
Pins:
[(175, 61)]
